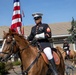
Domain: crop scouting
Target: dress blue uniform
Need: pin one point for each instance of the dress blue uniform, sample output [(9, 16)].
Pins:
[(66, 48), (42, 33), (38, 29)]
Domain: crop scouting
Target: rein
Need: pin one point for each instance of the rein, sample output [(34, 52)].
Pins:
[(30, 66), (26, 71), (4, 52)]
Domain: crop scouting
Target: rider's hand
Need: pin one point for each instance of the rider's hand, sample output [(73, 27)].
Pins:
[(34, 41)]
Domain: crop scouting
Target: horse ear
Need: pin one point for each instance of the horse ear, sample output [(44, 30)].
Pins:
[(10, 31), (4, 32), (4, 36)]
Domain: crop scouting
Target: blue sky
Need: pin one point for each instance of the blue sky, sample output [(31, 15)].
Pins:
[(54, 11)]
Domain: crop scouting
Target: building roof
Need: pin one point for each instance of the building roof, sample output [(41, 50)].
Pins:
[(58, 29)]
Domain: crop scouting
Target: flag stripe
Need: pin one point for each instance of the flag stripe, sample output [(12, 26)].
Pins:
[(16, 20), (16, 4), (15, 16), (16, 12), (15, 25), (16, 8)]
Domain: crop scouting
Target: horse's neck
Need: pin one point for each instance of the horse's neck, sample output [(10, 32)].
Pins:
[(27, 52), (26, 49), (28, 56), (22, 43)]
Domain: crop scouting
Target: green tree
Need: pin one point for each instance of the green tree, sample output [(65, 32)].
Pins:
[(72, 31)]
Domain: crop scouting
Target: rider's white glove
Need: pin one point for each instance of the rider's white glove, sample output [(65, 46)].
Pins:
[(40, 36), (65, 47)]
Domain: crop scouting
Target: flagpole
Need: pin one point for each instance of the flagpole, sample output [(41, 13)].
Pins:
[(22, 29)]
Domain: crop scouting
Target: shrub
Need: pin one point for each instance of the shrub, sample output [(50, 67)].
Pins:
[(16, 63), (8, 66), (2, 68)]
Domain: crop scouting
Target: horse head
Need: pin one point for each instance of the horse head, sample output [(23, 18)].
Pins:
[(9, 47)]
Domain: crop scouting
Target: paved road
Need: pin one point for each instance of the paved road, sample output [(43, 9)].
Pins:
[(71, 70), (15, 71)]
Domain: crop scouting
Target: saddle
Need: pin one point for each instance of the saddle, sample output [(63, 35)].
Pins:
[(55, 55)]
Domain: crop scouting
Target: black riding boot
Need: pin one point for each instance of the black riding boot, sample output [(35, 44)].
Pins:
[(53, 66)]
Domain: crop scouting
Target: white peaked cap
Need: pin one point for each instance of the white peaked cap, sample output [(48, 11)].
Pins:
[(37, 14)]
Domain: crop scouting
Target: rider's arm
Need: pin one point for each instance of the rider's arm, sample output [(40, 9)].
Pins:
[(31, 36), (48, 33)]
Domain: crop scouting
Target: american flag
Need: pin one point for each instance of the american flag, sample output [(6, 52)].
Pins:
[(22, 29), (16, 18), (23, 15)]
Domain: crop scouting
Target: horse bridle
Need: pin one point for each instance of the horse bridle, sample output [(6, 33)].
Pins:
[(13, 43), (8, 53)]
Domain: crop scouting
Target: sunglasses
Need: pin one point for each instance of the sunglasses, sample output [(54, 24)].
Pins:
[(37, 18)]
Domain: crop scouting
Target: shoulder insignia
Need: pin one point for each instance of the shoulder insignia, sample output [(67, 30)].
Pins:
[(48, 29)]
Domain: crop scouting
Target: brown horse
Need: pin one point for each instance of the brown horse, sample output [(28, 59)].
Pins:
[(62, 51), (31, 58), (72, 54)]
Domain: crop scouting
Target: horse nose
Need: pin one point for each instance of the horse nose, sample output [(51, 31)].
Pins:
[(2, 59)]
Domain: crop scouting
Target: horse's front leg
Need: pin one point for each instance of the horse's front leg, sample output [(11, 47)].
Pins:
[(22, 70)]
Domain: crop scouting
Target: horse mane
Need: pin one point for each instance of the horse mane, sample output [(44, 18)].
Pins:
[(12, 34), (57, 47), (21, 36)]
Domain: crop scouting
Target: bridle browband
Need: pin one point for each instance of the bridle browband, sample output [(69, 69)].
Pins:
[(8, 53)]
